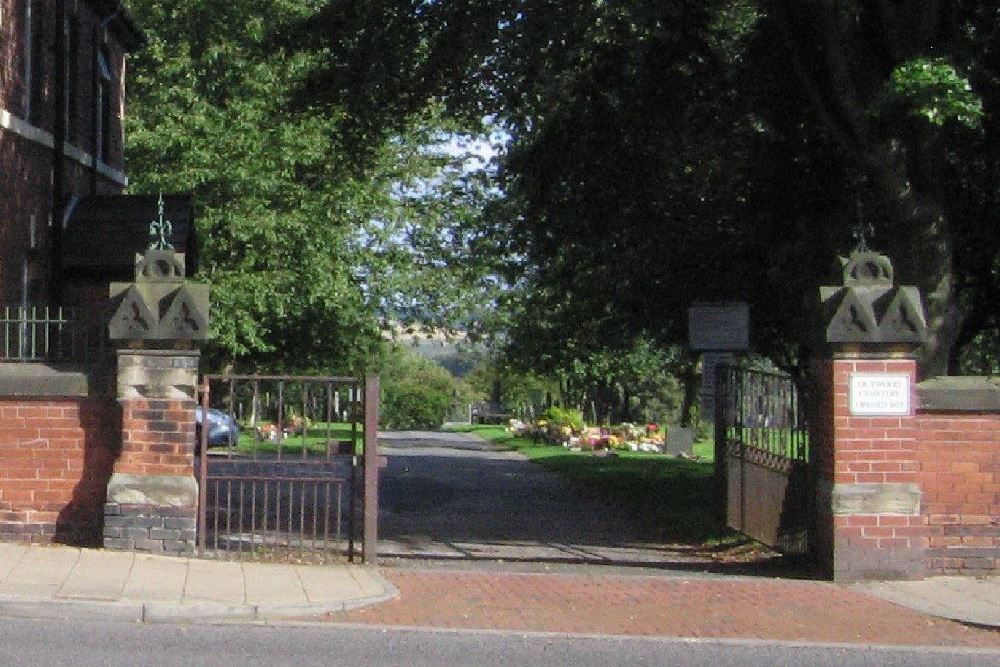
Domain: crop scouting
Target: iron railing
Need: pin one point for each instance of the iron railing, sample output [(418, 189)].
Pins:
[(285, 485), (52, 334), (762, 410)]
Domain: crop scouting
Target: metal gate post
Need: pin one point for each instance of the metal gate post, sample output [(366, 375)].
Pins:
[(369, 548), (721, 463), (203, 468)]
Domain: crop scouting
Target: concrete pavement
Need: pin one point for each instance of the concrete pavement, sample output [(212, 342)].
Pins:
[(966, 599), (65, 580)]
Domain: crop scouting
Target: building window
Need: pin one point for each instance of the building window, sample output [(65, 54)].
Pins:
[(103, 110)]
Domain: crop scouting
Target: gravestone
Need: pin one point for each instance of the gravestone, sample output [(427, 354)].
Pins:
[(680, 440)]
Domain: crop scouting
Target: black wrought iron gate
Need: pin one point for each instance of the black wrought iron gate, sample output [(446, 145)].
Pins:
[(287, 467), (762, 457)]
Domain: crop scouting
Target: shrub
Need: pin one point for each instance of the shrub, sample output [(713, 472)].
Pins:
[(417, 393), (564, 417)]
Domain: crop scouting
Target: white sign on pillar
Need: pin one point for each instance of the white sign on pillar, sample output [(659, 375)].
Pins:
[(879, 394)]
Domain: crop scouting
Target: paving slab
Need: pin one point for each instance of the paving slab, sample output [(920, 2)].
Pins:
[(156, 578), (370, 583), (274, 584), (42, 572), (328, 583), (62, 582), (98, 576), (215, 581), (10, 554), (968, 599)]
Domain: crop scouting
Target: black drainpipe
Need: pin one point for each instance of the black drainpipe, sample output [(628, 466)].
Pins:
[(58, 152)]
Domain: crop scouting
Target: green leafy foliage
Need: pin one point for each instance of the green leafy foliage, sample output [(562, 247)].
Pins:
[(665, 152), (564, 418), (637, 384), (656, 153), (933, 90), (274, 212), (310, 245), (417, 393)]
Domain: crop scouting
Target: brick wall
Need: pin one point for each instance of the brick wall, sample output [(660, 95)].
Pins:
[(56, 456), (959, 472), (873, 528), (159, 436), (909, 496)]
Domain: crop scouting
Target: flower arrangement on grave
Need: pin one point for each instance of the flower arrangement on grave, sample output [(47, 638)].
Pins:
[(569, 431)]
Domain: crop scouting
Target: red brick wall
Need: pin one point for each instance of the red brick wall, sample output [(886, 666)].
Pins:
[(872, 449), (851, 450), (952, 458), (959, 471), (875, 450), (56, 457), (158, 437)]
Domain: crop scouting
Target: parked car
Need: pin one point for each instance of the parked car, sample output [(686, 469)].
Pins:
[(222, 428)]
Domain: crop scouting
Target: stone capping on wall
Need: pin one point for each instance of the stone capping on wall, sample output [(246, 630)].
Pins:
[(959, 394), (39, 380)]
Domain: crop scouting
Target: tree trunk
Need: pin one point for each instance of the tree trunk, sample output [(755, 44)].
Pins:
[(689, 377), (917, 238)]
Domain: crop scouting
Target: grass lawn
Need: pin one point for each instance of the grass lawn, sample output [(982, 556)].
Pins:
[(670, 498), (314, 441)]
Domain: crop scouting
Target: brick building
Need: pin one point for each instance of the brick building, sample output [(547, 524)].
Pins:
[(66, 231), (62, 68)]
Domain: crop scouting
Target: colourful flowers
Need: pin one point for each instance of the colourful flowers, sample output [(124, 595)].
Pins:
[(646, 437)]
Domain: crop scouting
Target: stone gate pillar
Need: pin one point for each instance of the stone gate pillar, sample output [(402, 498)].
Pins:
[(152, 496), (864, 433)]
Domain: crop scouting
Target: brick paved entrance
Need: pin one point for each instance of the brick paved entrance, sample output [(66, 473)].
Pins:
[(706, 607)]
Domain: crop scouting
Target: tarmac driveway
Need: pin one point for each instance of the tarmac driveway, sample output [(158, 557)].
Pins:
[(453, 496)]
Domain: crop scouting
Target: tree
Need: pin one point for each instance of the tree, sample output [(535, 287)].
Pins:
[(272, 208), (907, 93), (308, 246), (650, 140), (417, 393)]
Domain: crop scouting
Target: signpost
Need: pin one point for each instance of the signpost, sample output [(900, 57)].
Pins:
[(718, 331)]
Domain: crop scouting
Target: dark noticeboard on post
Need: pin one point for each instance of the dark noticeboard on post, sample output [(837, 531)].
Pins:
[(719, 327), (103, 234), (718, 331)]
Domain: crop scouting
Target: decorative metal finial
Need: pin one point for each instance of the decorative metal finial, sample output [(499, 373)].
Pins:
[(160, 230), (862, 231)]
